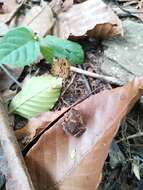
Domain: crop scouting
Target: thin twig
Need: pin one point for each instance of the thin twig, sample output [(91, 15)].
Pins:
[(69, 85), (9, 74), (109, 79), (131, 13), (86, 82), (140, 134)]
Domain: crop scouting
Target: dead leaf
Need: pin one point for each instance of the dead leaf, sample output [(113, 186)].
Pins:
[(58, 5), (61, 68), (40, 20), (67, 4), (9, 8), (139, 13), (61, 161), (37, 124), (96, 19)]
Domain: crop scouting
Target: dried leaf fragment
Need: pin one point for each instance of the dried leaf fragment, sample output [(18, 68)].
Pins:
[(40, 20), (9, 8), (67, 4), (61, 68), (63, 161), (96, 19), (36, 124), (58, 5)]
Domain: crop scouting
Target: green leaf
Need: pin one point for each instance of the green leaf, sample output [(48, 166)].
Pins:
[(53, 47), (38, 95), (19, 47)]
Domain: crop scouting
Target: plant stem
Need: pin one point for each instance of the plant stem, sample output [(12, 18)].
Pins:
[(140, 134), (9, 74)]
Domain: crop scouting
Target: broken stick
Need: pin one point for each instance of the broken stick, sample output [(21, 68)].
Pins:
[(62, 68), (109, 79)]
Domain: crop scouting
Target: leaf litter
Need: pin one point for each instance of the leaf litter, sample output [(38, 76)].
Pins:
[(106, 24), (42, 16), (75, 135), (90, 149), (8, 9)]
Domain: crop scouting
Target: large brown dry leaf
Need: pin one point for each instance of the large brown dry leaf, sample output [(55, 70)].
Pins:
[(8, 9), (62, 161), (40, 20), (93, 18), (36, 124)]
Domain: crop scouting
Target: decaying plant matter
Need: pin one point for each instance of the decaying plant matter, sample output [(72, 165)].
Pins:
[(64, 128), (64, 161)]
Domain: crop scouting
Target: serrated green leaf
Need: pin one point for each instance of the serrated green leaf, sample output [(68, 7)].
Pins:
[(53, 47), (19, 47), (38, 95)]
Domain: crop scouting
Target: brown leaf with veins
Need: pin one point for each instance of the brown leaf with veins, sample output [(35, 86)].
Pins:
[(36, 124), (91, 18), (63, 161)]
